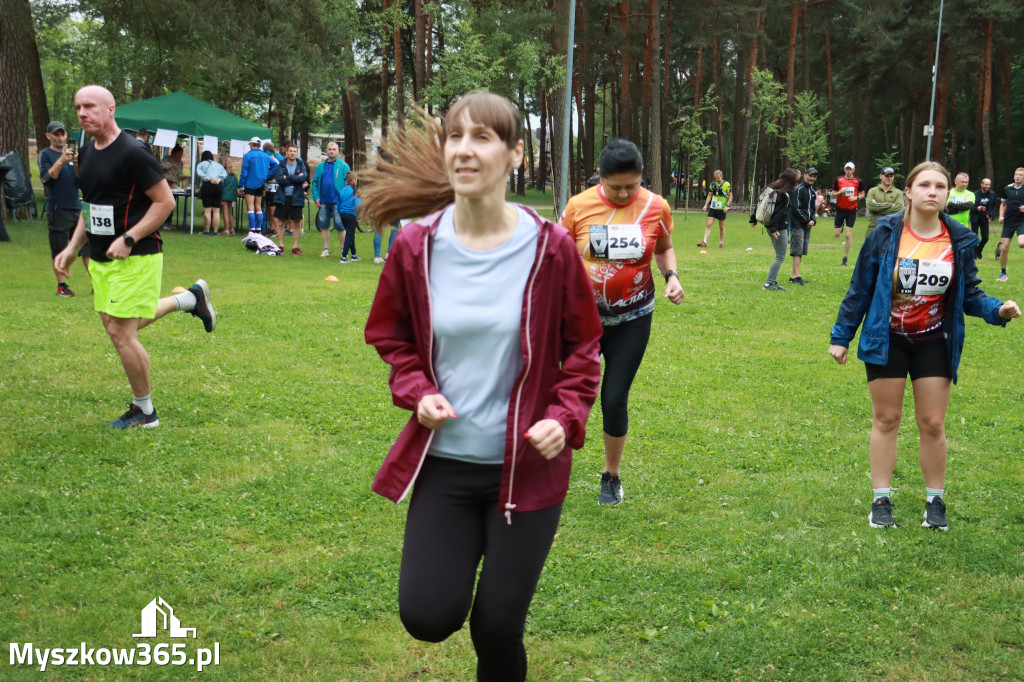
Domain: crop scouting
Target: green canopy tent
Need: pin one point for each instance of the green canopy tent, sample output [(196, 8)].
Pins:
[(189, 116)]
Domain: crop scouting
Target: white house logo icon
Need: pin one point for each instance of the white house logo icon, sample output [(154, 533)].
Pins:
[(170, 622)]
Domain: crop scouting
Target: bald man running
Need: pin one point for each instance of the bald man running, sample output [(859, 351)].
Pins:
[(125, 200)]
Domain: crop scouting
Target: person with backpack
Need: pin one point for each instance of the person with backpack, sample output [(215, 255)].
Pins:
[(772, 211)]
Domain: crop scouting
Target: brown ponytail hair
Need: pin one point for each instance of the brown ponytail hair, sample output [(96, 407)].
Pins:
[(409, 179)]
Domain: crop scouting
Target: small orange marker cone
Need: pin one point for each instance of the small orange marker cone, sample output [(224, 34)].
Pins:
[(178, 290), (330, 278)]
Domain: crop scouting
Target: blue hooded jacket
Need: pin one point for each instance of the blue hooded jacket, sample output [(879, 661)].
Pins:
[(257, 166), (870, 293)]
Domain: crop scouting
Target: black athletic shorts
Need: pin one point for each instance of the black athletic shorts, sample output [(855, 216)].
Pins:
[(254, 191), (716, 213), (845, 216), (282, 212), (921, 359), (1011, 229)]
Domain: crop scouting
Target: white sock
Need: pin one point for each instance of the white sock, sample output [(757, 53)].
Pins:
[(186, 301), (145, 403)]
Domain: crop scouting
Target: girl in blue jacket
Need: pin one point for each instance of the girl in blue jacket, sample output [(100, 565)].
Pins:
[(914, 280)]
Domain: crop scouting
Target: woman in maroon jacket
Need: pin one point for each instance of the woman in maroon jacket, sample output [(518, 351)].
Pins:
[(485, 315)]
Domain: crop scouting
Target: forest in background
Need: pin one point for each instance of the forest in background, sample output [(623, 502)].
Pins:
[(748, 86)]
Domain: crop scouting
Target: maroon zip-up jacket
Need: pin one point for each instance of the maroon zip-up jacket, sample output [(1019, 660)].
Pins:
[(560, 334)]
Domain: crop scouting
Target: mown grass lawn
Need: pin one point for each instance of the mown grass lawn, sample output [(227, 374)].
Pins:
[(742, 550)]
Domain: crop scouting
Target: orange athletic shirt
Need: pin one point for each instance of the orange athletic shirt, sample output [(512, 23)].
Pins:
[(923, 273), (617, 245)]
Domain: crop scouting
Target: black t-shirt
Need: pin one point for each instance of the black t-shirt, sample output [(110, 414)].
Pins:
[(989, 201), (1013, 197), (63, 191), (114, 181)]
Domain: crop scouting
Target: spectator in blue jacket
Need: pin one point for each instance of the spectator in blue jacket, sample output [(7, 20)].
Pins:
[(328, 182), (913, 282), (292, 181), (257, 166)]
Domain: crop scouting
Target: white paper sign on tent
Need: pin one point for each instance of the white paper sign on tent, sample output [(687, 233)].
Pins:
[(210, 144), (165, 138), (239, 148)]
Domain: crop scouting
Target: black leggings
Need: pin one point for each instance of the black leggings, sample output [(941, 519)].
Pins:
[(454, 519), (623, 347)]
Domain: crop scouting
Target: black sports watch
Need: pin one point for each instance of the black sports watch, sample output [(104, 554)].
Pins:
[(671, 273), (128, 240)]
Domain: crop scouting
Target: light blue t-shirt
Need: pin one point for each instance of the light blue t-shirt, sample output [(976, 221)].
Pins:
[(476, 306)]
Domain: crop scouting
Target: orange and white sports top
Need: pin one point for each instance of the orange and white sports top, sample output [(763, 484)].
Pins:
[(617, 245), (921, 277)]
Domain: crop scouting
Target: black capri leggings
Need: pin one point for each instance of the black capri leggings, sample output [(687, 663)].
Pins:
[(454, 519), (623, 347)]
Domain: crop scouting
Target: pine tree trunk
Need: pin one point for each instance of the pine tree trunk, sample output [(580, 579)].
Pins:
[(656, 176), (666, 162), (384, 85), (542, 169), (745, 124), (521, 175), (36, 88), (716, 79), (831, 101), (791, 70), (419, 69), (645, 96), (1008, 139), (13, 69), (986, 103), (625, 99), (399, 81)]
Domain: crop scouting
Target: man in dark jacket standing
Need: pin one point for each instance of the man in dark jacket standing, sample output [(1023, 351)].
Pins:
[(801, 220), (985, 201)]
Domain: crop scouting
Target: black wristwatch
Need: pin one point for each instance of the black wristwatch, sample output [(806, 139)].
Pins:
[(671, 273), (128, 240)]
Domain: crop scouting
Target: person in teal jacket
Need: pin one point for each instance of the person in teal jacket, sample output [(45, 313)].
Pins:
[(328, 184), (913, 282)]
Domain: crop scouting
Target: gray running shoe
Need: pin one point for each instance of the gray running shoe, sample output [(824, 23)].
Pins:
[(611, 490), (881, 514), (935, 515)]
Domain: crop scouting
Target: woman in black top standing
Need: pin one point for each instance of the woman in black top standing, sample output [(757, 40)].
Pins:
[(777, 225)]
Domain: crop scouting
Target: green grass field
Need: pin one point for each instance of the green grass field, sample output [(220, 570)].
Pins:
[(742, 550)]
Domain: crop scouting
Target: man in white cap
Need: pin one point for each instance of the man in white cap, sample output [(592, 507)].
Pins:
[(847, 190), (257, 166)]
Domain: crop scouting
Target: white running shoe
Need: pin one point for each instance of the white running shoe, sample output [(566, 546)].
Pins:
[(326, 253)]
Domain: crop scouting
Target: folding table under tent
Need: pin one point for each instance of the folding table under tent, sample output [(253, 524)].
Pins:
[(187, 115)]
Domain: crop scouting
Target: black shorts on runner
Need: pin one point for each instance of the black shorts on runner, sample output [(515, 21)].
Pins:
[(282, 212), (254, 191), (922, 359), (716, 213), (1011, 229), (210, 194), (845, 215)]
